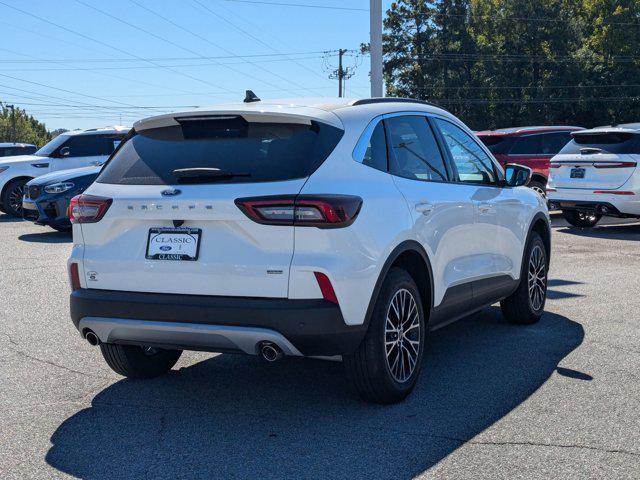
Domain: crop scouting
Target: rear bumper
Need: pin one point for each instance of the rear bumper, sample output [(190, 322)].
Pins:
[(193, 322), (605, 204)]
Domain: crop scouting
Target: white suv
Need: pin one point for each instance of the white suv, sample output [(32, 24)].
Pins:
[(344, 229), (80, 148), (596, 174)]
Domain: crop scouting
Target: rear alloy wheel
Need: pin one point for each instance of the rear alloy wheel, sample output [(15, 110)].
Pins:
[(581, 219), (12, 198), (526, 305), (385, 367), (139, 362)]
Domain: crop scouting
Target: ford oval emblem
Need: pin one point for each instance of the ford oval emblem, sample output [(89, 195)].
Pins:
[(165, 248), (170, 192)]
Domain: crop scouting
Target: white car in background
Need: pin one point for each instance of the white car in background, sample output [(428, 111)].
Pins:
[(335, 228), (81, 148), (596, 174)]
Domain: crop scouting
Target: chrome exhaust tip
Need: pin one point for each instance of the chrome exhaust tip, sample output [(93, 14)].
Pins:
[(270, 352), (92, 338)]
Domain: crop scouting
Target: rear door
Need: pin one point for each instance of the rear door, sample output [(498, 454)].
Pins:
[(602, 160), (535, 150), (156, 181)]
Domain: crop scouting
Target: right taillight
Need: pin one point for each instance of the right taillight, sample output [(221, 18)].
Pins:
[(88, 208), (322, 211)]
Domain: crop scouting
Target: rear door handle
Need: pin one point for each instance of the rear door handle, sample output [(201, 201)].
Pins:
[(424, 208)]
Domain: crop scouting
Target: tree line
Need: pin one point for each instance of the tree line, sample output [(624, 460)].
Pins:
[(501, 63), (17, 126)]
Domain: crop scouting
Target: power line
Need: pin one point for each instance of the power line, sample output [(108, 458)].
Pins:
[(300, 5), (248, 34), (205, 39), (163, 59)]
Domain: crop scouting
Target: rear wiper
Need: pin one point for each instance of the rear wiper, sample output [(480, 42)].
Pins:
[(590, 150), (203, 174)]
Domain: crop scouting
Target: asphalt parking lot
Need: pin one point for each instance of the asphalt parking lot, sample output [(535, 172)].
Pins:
[(560, 399)]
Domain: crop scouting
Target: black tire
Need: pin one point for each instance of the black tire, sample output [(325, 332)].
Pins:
[(538, 187), (526, 305), (374, 371), (12, 197), (139, 362), (581, 219)]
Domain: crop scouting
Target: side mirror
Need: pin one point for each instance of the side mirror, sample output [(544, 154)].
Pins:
[(64, 152), (516, 175)]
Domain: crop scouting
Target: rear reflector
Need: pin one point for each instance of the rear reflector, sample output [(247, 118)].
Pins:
[(88, 208), (554, 165), (74, 276), (613, 192), (326, 288), (322, 211)]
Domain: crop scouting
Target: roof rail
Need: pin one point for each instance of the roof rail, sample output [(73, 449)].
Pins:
[(368, 101)]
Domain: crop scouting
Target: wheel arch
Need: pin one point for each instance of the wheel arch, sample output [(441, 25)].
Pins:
[(9, 182), (540, 224), (540, 178), (412, 257)]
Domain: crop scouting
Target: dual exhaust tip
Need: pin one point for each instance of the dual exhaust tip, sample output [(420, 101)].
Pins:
[(268, 351)]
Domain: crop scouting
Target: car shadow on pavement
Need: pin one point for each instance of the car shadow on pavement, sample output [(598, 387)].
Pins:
[(630, 231), (233, 417), (4, 218), (47, 237)]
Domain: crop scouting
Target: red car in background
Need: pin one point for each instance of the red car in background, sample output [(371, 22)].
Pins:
[(532, 147)]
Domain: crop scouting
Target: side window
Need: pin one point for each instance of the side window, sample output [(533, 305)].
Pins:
[(471, 161), (91, 145), (552, 143), (527, 145), (376, 154), (413, 151)]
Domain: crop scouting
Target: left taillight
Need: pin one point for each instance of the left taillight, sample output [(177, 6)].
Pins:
[(88, 208), (321, 211)]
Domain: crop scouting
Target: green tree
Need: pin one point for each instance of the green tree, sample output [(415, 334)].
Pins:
[(17, 126)]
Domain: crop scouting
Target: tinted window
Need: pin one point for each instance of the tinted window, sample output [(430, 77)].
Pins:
[(413, 150), (472, 163), (527, 145), (92, 145), (552, 143), (376, 154), (609, 142), (11, 151), (257, 151), (497, 144)]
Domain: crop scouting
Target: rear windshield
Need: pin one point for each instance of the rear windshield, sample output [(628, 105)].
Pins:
[(241, 152), (496, 144), (608, 142)]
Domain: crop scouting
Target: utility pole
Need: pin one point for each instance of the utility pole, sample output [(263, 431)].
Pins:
[(342, 73), (13, 123), (341, 53), (375, 46)]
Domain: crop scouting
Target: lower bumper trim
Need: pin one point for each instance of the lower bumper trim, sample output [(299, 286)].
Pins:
[(184, 335)]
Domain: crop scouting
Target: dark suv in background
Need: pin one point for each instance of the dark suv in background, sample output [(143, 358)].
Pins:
[(13, 149), (532, 147)]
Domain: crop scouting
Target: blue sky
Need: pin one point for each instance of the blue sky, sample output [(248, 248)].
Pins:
[(88, 63)]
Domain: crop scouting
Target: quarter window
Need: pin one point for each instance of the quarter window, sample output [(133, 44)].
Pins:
[(413, 151), (471, 161), (376, 153)]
